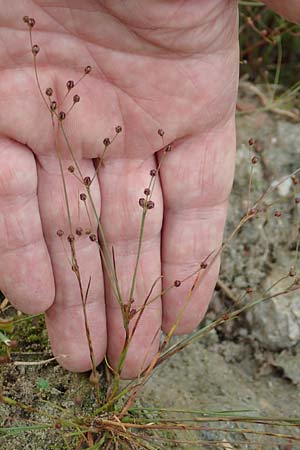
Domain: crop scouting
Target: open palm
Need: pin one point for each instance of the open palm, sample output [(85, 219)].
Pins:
[(159, 64)]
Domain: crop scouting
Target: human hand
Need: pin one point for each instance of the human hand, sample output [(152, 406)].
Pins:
[(160, 64)]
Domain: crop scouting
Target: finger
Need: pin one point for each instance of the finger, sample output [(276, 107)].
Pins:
[(26, 275), (122, 184), (65, 319), (194, 218)]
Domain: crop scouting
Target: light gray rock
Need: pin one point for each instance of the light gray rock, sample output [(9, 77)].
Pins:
[(275, 323)]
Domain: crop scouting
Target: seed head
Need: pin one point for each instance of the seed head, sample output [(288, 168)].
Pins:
[(79, 231), (60, 233), (82, 196), (142, 202), (13, 343), (93, 237), (94, 378), (292, 272), (277, 213), (71, 169), (118, 129), (70, 84), (4, 359), (254, 160), (49, 92), (160, 132), (87, 69), (62, 115), (249, 290), (87, 181), (203, 265), (168, 148), (71, 238), (177, 283), (35, 49), (26, 19), (147, 191), (152, 172), (76, 98), (251, 141), (31, 22), (252, 211), (53, 106), (87, 231), (297, 200), (150, 204), (106, 142), (295, 180), (132, 313)]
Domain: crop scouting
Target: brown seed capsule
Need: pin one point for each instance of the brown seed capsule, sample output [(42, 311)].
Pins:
[(53, 106), (49, 92), (203, 265), (4, 359), (31, 22), (87, 181), (152, 172), (160, 132), (71, 169), (297, 200), (168, 148), (147, 191), (177, 283), (87, 231), (26, 19), (252, 211), (71, 238), (249, 290), (94, 378), (292, 272), (83, 197), (76, 98), (13, 343), (277, 213), (60, 233), (62, 115), (35, 49), (93, 237), (295, 180), (78, 399), (251, 141), (79, 231), (150, 204), (132, 313), (57, 425), (106, 142), (142, 202), (70, 84), (254, 160), (118, 129), (87, 69)]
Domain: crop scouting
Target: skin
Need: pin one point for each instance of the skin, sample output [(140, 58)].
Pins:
[(159, 64)]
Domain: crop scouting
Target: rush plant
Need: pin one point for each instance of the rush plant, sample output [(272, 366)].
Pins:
[(115, 422)]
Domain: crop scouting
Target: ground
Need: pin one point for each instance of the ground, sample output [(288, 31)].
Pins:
[(251, 363)]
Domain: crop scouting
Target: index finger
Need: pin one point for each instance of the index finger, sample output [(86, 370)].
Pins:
[(26, 275)]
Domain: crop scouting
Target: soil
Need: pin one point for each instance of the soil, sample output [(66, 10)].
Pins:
[(240, 366)]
